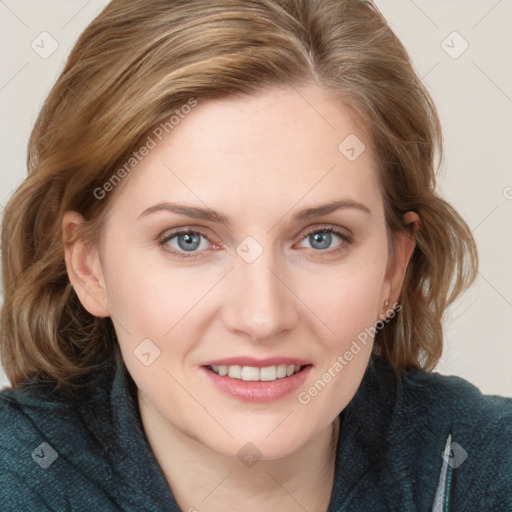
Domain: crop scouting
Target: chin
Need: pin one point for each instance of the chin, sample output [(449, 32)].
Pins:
[(262, 440)]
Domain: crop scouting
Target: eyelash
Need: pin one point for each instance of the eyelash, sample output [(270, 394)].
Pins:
[(346, 240)]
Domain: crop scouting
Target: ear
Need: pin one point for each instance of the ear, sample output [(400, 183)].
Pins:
[(405, 242), (84, 267)]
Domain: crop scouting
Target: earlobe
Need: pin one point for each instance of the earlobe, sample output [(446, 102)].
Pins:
[(84, 267)]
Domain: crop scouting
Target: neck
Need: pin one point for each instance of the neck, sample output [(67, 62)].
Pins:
[(202, 479)]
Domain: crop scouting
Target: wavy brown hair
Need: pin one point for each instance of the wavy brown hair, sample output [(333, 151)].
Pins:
[(136, 64)]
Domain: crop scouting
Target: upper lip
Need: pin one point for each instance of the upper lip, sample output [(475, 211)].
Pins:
[(257, 363)]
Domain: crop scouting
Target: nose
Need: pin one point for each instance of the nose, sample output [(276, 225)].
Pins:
[(260, 303)]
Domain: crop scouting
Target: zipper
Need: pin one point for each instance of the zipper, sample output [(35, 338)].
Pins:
[(444, 484)]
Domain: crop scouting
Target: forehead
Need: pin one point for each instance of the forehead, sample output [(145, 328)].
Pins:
[(256, 153)]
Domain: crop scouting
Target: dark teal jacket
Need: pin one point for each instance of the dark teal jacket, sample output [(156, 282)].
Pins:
[(91, 454)]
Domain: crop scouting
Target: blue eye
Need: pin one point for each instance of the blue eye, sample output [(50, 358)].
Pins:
[(321, 239), (188, 241)]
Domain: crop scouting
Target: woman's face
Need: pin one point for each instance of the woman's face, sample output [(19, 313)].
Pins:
[(258, 281)]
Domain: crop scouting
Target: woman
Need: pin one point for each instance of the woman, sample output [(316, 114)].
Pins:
[(226, 272)]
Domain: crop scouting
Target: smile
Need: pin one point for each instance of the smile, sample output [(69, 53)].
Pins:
[(266, 382), (255, 374)]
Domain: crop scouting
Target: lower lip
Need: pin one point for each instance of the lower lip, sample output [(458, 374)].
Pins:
[(259, 391)]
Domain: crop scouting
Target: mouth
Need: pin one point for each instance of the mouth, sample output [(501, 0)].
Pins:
[(255, 373), (262, 383)]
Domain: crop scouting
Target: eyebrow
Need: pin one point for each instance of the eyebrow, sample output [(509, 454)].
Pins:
[(213, 216)]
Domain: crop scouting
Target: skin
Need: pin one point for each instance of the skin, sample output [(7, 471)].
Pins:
[(257, 161)]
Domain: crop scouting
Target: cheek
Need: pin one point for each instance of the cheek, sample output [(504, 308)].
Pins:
[(146, 297), (346, 299), (152, 301), (348, 308)]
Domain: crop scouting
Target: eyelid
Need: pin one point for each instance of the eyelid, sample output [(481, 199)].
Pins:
[(326, 227), (172, 232)]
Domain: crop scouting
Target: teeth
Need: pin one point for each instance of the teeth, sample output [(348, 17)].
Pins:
[(252, 373), (235, 372), (268, 373), (281, 371)]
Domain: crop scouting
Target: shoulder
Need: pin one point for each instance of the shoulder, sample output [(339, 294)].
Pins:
[(48, 451), (80, 450), (24, 447), (37, 411), (25, 415), (429, 398), (478, 451), (456, 400), (428, 432)]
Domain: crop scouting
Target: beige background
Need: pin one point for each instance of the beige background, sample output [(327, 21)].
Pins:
[(473, 92)]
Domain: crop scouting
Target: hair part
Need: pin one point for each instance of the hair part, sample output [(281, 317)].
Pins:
[(131, 69)]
